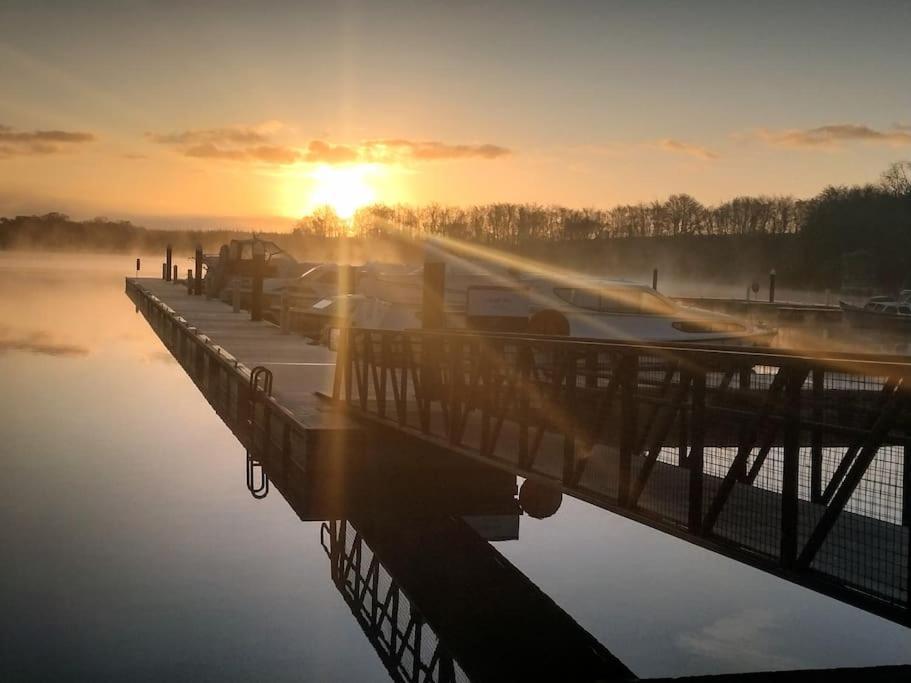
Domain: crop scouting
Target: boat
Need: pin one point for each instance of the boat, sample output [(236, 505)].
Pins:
[(579, 307), (882, 312)]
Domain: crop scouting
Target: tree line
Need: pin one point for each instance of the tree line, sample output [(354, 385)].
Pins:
[(843, 234), (518, 224)]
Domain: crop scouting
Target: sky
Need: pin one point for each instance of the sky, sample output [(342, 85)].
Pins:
[(172, 112)]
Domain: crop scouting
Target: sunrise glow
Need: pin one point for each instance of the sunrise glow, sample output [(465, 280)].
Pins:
[(344, 189)]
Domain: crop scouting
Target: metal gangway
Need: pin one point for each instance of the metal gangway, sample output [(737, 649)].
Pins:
[(794, 463)]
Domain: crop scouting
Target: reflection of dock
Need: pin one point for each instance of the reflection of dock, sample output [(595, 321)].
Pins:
[(793, 464), (487, 621)]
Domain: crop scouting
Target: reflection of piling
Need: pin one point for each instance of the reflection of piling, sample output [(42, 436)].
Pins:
[(655, 279), (197, 284), (256, 293), (167, 260), (772, 286)]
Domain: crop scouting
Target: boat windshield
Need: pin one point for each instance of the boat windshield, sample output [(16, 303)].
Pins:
[(617, 300)]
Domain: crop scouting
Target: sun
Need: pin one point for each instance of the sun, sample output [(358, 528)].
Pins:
[(343, 188)]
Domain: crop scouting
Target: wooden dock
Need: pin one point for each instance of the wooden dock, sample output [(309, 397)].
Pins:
[(221, 350)]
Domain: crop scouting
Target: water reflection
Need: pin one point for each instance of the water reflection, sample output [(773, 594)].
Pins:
[(39, 342)]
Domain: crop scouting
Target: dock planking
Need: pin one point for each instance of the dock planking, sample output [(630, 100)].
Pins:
[(298, 369)]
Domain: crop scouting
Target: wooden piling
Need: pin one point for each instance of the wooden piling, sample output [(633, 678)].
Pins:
[(256, 293), (197, 284), (167, 259)]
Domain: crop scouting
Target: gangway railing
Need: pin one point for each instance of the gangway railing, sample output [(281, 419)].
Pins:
[(794, 463)]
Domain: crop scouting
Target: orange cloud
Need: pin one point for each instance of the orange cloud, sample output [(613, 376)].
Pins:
[(323, 152), (24, 143), (834, 135), (434, 150), (256, 145), (211, 136), (678, 147)]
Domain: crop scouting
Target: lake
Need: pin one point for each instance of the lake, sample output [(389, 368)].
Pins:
[(133, 549)]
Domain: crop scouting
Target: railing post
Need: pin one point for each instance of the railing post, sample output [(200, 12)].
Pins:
[(818, 378), (697, 448), (906, 516), (629, 417), (569, 435), (906, 494), (790, 470), (523, 382)]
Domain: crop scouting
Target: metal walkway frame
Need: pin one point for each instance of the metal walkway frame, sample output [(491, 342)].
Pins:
[(795, 464)]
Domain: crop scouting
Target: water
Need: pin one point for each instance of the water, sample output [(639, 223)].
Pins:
[(132, 548)]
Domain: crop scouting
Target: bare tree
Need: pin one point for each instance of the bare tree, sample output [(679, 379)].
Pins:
[(897, 179)]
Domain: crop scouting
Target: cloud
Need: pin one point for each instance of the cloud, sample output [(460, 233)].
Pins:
[(678, 147), (833, 135), (237, 135), (258, 144), (326, 153), (434, 150), (37, 142)]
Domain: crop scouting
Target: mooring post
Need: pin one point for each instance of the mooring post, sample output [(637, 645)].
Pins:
[(189, 280), (138, 264), (772, 286), (167, 260), (256, 292), (174, 278), (655, 279), (164, 271), (432, 316), (197, 285)]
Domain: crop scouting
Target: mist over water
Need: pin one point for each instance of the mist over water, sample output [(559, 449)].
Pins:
[(132, 549)]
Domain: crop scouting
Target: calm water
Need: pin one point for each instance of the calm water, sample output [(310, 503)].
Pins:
[(132, 549)]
